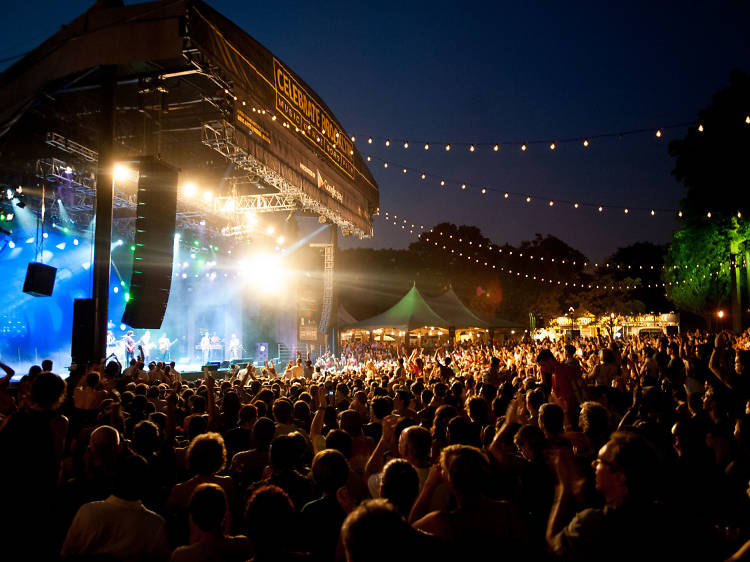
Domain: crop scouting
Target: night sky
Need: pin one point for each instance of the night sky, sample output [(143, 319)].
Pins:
[(496, 72)]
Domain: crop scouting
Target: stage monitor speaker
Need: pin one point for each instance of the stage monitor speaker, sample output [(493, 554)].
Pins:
[(261, 352), (151, 278), (82, 342), (40, 279)]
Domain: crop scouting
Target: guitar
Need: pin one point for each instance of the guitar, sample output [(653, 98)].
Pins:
[(164, 346)]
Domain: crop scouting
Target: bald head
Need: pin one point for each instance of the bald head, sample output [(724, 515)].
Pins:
[(104, 444)]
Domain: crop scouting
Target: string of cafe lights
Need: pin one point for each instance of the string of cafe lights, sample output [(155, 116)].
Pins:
[(403, 224), (546, 281), (529, 198), (550, 143), (706, 272)]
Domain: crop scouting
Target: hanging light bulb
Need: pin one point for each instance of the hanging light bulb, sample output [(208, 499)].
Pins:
[(551, 203), (528, 199), (626, 211), (652, 212), (387, 142), (354, 139), (427, 147), (385, 164), (463, 186), (586, 142), (471, 148), (679, 213), (484, 191), (552, 146), (601, 208), (369, 141), (447, 147), (523, 147), (424, 176), (575, 205), (658, 133), (406, 144), (507, 195), (700, 128), (496, 148), (442, 182)]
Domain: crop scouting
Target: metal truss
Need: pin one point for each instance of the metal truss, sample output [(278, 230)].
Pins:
[(221, 137), (264, 203), (327, 305), (71, 147)]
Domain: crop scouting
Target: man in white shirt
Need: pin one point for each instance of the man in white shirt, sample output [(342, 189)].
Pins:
[(120, 526)]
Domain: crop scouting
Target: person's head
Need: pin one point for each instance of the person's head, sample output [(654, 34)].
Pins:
[(145, 438), (47, 365), (551, 419), (330, 471), (530, 442), (47, 391), (282, 410), (463, 431), (104, 446), (248, 414), (594, 422), (415, 444), (399, 484), (131, 473), (380, 407), (479, 410), (351, 422), (263, 431), (402, 400), (370, 532), (570, 351), (266, 508), (199, 404), (742, 362), (208, 508), (284, 453), (466, 469), (207, 454), (546, 361), (341, 441), (626, 468)]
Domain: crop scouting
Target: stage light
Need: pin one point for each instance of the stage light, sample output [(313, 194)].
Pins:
[(270, 230), (122, 327), (132, 247), (185, 264), (280, 240), (59, 200), (75, 241), (121, 172), (9, 193), (208, 196), (60, 246), (45, 235), (116, 290), (177, 236), (30, 240), (68, 170), (184, 275), (189, 190), (266, 273), (65, 229), (127, 297), (11, 244), (10, 216), (196, 243)]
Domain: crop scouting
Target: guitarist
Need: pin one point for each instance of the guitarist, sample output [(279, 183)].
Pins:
[(129, 347), (164, 345)]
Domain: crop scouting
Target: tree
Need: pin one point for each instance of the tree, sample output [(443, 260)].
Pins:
[(711, 162)]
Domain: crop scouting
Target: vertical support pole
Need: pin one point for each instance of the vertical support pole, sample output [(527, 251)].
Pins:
[(736, 292), (103, 229), (334, 321)]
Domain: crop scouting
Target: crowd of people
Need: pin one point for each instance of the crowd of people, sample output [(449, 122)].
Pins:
[(587, 449)]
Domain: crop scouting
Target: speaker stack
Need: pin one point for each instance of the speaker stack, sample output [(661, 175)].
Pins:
[(151, 278)]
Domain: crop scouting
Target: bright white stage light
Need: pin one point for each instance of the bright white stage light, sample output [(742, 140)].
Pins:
[(122, 327), (270, 230), (121, 172), (252, 219), (75, 241), (68, 170), (11, 244), (116, 290), (266, 273), (208, 196), (189, 190), (60, 246)]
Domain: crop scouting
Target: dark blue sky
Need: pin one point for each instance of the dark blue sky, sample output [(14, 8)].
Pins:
[(496, 71)]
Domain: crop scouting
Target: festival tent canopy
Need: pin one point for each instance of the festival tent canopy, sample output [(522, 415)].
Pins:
[(450, 307), (410, 313), (345, 317)]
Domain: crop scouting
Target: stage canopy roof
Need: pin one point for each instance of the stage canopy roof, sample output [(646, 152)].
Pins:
[(410, 313), (199, 92), (450, 307)]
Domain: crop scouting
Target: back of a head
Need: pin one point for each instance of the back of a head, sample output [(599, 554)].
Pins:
[(330, 471), (208, 507), (399, 485), (47, 365), (351, 422), (282, 410), (551, 418), (463, 431), (594, 419), (264, 512), (381, 406), (375, 531), (570, 349), (207, 454), (283, 453), (544, 355), (104, 444), (418, 443), (638, 460), (263, 431), (466, 468), (132, 472), (145, 437), (47, 390), (341, 441)]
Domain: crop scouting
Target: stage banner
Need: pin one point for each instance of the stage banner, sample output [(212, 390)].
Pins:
[(305, 143)]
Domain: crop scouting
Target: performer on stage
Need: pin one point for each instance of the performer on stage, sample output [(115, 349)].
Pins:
[(234, 347), (147, 345), (129, 346), (206, 347), (164, 346), (214, 353)]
